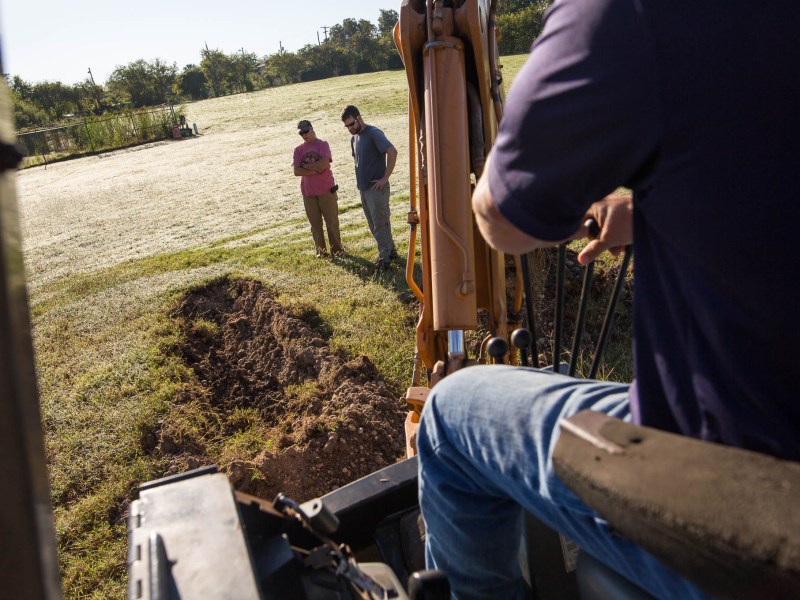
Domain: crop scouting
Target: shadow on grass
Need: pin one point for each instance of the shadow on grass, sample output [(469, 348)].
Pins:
[(393, 278)]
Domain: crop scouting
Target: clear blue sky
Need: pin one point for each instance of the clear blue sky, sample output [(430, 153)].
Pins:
[(59, 40)]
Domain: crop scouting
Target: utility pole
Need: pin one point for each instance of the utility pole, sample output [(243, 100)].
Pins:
[(325, 30), (213, 70), (94, 89)]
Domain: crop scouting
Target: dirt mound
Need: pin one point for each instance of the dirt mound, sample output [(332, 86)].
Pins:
[(308, 419)]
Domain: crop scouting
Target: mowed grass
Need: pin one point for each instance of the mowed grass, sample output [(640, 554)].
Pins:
[(109, 265)]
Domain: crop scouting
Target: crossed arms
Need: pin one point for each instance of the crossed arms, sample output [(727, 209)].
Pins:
[(312, 168)]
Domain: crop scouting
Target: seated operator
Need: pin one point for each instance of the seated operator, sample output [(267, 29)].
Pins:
[(691, 104)]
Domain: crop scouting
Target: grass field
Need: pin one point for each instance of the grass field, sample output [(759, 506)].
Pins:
[(112, 244)]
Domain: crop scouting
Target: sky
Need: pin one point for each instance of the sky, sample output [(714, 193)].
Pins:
[(60, 40)]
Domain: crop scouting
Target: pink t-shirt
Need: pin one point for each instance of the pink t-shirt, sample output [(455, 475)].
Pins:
[(304, 154)]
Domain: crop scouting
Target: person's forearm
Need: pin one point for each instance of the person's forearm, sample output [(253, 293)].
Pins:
[(391, 161), (323, 164), (613, 214), (498, 231)]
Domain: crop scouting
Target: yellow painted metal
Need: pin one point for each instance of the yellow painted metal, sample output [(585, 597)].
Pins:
[(455, 105), (447, 152)]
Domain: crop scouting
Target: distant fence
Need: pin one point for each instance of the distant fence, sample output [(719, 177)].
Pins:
[(90, 134)]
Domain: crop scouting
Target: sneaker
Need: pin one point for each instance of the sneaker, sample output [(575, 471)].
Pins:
[(339, 252), (393, 255), (322, 254), (383, 265)]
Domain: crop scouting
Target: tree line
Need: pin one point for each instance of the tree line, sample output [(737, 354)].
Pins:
[(351, 47)]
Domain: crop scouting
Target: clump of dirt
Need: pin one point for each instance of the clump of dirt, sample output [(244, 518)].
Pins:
[(279, 411)]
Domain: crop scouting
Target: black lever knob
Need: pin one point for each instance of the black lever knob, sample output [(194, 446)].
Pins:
[(593, 227), (497, 348), (522, 338), (428, 585)]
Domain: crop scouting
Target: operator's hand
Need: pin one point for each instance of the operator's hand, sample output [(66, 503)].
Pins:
[(378, 184), (614, 215)]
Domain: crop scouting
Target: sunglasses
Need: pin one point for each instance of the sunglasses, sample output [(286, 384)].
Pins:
[(351, 123), (304, 131)]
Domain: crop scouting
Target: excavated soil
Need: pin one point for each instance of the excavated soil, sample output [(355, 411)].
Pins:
[(320, 419), (327, 419)]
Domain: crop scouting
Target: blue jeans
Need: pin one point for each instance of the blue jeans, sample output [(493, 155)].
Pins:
[(485, 443)]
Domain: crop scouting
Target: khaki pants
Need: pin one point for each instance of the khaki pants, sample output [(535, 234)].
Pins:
[(325, 206)]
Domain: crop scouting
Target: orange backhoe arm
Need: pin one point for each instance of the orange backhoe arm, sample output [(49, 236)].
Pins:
[(455, 105)]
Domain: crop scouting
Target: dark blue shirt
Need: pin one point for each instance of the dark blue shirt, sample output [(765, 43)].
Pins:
[(695, 106)]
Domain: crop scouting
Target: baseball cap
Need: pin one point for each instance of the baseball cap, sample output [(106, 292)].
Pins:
[(304, 125)]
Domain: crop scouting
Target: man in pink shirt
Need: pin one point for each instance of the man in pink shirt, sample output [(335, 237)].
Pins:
[(312, 163)]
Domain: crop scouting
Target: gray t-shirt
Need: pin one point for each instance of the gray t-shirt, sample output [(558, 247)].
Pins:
[(369, 151)]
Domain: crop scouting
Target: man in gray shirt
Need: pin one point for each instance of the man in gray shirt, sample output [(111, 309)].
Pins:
[(374, 157)]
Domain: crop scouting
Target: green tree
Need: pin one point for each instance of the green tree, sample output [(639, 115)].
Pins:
[(389, 56), (91, 97), (192, 83), (284, 67), (519, 29), (386, 22), (55, 98), (88, 101), (26, 113), (506, 7), (163, 79), (143, 83), (23, 89), (42, 103), (217, 67), (243, 71), (322, 61), (359, 41)]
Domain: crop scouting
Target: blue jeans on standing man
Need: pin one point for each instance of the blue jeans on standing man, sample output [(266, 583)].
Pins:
[(485, 443)]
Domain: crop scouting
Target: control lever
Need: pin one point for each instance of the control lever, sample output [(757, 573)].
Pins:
[(334, 557), (320, 518), (593, 227), (428, 585), (522, 339), (583, 305), (497, 349)]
